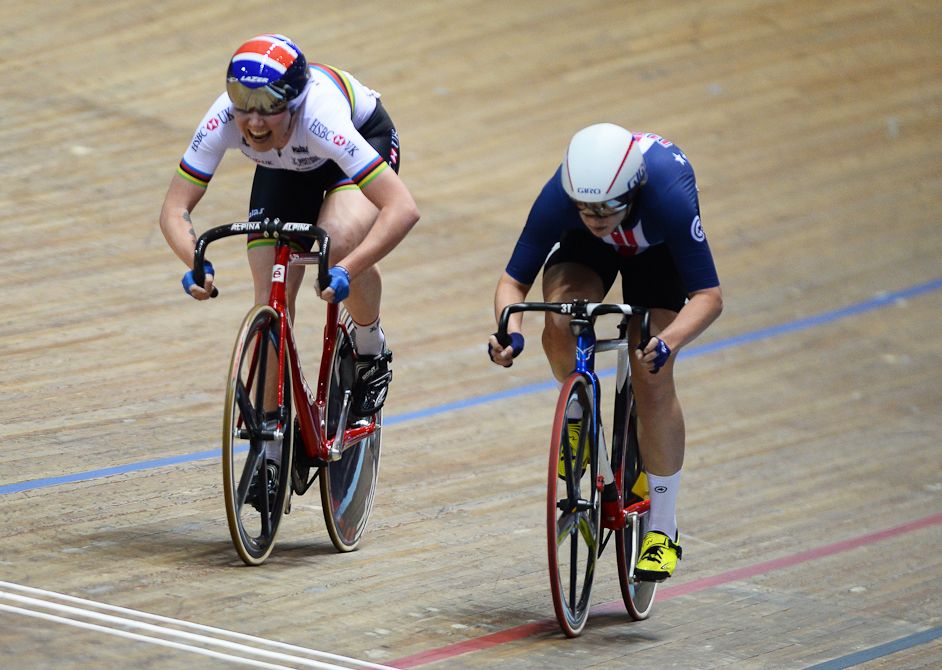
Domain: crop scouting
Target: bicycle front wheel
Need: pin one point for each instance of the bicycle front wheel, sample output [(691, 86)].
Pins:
[(348, 484), (256, 466), (573, 509), (638, 596)]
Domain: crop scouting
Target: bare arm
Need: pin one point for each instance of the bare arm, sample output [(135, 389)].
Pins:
[(177, 227), (175, 222), (508, 291), (397, 214)]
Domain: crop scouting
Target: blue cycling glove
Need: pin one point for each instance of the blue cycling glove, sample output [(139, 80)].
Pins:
[(662, 353), (516, 343), (340, 282), (188, 281)]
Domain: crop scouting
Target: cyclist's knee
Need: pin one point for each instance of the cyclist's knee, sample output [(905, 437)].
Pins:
[(655, 387), (368, 279)]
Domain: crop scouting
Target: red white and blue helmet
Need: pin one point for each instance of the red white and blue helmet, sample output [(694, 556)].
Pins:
[(603, 169), (266, 73)]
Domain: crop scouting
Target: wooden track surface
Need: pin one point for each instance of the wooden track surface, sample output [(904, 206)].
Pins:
[(811, 513)]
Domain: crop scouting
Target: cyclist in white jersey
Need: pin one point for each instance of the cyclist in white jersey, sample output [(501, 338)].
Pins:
[(323, 145)]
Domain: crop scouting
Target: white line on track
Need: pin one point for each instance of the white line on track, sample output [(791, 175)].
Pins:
[(18, 599)]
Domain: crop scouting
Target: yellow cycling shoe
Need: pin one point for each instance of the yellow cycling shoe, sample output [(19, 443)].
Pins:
[(659, 556), (574, 427)]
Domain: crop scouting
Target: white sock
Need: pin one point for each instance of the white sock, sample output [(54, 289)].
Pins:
[(663, 514), (369, 339)]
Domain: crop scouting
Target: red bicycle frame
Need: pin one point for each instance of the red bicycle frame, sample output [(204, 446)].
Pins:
[(312, 411)]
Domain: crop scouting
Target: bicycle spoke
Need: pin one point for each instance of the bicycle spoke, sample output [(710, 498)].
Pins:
[(565, 527), (573, 576), (248, 470), (249, 419), (589, 535)]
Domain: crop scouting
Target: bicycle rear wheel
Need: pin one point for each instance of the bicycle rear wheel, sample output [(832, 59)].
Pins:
[(573, 509), (638, 596), (256, 486), (348, 484)]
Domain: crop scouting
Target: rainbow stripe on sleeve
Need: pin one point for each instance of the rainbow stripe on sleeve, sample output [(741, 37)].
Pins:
[(369, 173), (340, 81), (192, 175)]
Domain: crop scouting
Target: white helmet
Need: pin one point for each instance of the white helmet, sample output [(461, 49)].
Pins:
[(604, 166)]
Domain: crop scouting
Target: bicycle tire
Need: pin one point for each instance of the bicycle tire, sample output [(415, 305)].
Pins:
[(348, 485), (254, 519), (573, 510), (638, 596)]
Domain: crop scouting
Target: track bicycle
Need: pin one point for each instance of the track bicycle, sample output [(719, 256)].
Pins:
[(579, 472), (276, 428)]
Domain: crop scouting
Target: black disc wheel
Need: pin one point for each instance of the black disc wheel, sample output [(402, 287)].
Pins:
[(348, 484)]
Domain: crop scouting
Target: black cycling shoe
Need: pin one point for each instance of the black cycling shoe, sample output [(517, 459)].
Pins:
[(252, 498), (371, 384)]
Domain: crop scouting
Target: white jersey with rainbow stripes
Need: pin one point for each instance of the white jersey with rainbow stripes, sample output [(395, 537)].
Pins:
[(335, 105)]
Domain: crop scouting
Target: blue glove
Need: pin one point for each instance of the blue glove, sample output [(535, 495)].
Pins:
[(188, 281), (663, 352), (340, 282), (516, 342)]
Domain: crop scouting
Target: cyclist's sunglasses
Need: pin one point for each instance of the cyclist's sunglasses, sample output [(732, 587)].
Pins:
[(603, 209), (263, 100)]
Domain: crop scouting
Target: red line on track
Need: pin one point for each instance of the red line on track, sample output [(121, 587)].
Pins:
[(665, 593)]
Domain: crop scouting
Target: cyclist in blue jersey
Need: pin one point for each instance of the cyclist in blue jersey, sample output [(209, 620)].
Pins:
[(623, 203)]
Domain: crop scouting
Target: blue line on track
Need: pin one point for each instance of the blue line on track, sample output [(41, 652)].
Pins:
[(877, 302), (879, 651)]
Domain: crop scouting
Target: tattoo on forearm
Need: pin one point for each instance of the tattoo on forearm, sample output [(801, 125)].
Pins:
[(186, 217)]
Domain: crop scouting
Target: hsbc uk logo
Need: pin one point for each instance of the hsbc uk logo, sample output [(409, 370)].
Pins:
[(321, 131), (221, 119)]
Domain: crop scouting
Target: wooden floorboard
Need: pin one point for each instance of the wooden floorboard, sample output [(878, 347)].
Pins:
[(811, 510)]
